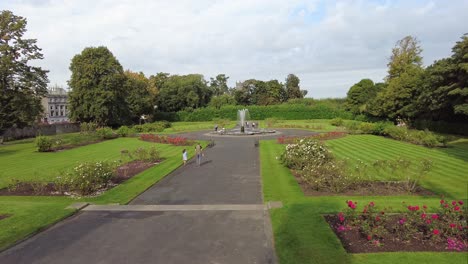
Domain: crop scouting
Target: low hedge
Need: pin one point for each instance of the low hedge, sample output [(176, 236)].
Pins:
[(283, 111)]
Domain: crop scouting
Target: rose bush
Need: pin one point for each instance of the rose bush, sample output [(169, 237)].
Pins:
[(448, 224)]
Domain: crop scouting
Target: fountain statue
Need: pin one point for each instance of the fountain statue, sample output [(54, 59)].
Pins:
[(241, 115)]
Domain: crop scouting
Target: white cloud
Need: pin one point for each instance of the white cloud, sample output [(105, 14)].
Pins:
[(329, 45)]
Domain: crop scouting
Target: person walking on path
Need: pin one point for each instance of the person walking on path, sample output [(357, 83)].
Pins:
[(198, 152), (184, 156)]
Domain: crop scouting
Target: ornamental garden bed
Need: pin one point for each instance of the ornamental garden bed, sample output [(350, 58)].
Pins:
[(123, 173), (390, 188), (173, 140), (372, 230)]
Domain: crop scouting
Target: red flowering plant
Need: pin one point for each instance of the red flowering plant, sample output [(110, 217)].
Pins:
[(448, 224), (452, 218), (177, 141), (372, 222), (407, 223)]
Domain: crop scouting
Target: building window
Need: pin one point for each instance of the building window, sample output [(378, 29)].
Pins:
[(51, 107), (51, 113), (61, 113), (61, 107)]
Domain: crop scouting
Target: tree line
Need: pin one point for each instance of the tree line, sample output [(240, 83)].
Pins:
[(412, 92)]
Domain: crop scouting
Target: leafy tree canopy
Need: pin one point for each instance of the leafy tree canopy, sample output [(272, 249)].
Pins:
[(218, 85), (179, 92), (98, 88), (21, 85), (141, 98)]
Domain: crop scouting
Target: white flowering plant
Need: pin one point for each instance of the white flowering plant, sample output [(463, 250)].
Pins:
[(317, 167), (304, 152), (88, 177)]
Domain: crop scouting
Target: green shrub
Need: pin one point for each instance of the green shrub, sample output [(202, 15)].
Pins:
[(367, 128), (88, 127), (330, 176), (352, 126), (336, 122), (152, 127), (88, 177), (105, 133), (150, 154), (398, 133), (379, 127), (124, 131), (43, 143), (165, 124)]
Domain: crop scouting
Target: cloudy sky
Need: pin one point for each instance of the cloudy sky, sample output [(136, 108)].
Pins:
[(330, 45)]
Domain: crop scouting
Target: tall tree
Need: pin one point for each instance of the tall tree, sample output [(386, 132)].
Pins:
[(222, 100), (97, 88), (292, 87), (243, 93), (445, 89), (406, 55), (21, 85), (404, 80), (141, 97), (157, 81), (179, 92), (459, 94), (219, 85), (360, 95)]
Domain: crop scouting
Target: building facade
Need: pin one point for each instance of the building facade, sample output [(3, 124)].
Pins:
[(55, 106)]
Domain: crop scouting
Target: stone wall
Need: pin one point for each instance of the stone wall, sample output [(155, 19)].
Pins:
[(47, 130)]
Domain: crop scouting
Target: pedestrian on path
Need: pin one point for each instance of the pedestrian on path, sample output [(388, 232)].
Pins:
[(199, 153), (184, 156)]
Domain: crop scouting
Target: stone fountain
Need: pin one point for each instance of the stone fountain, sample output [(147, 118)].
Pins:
[(242, 129)]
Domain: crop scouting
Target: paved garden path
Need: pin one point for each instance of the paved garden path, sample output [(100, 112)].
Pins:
[(213, 213)]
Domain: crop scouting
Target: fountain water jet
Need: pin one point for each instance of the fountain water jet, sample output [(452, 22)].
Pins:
[(241, 115)]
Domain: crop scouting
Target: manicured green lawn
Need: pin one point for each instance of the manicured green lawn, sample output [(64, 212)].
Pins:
[(30, 214), (301, 233), (450, 166)]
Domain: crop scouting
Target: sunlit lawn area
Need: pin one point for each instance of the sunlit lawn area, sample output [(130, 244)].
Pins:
[(303, 236)]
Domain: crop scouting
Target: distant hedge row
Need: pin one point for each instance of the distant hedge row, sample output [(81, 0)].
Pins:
[(283, 111)]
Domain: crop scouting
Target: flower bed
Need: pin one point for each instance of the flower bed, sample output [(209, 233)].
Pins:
[(372, 230), (321, 136), (177, 141), (61, 188)]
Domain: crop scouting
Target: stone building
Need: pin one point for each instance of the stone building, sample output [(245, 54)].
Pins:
[(55, 106)]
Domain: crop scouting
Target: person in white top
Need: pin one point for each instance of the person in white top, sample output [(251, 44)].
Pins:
[(184, 156)]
